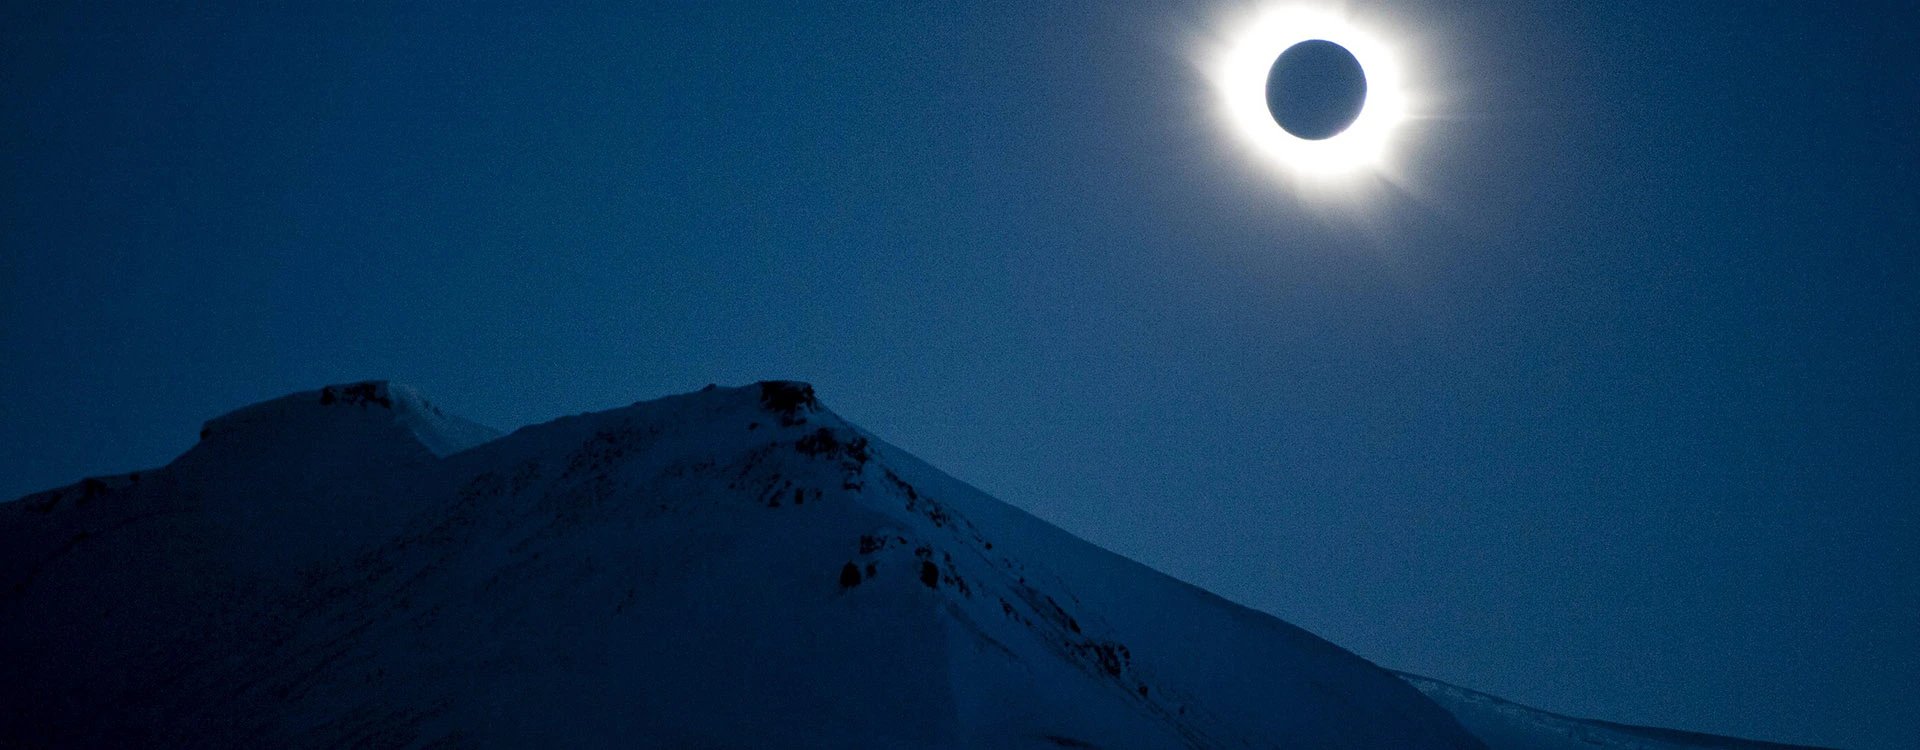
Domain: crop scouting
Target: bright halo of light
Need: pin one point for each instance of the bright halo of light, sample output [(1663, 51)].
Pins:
[(1239, 75)]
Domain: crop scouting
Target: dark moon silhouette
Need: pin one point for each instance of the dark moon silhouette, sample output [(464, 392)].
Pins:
[(1316, 89)]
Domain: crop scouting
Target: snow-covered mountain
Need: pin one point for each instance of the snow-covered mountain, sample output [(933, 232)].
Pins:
[(1505, 724), (736, 567)]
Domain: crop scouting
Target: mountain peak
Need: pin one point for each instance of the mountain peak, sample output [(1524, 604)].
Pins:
[(364, 393), (368, 403), (792, 400), (733, 567)]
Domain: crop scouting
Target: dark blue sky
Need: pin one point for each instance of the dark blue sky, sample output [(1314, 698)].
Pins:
[(1614, 410)]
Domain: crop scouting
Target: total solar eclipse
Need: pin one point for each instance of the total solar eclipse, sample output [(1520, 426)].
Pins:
[(1316, 89), (1315, 94)]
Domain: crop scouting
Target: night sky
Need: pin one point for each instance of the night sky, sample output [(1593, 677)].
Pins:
[(1608, 403)]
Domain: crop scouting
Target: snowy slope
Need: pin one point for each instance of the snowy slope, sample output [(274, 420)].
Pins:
[(117, 587), (1505, 725), (736, 567)]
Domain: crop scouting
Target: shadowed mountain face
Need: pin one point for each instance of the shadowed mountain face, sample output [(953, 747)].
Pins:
[(731, 568)]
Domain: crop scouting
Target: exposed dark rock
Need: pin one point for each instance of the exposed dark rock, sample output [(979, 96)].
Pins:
[(360, 394), (826, 442), (788, 399)]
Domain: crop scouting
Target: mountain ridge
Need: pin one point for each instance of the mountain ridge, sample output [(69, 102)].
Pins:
[(788, 577), (439, 432)]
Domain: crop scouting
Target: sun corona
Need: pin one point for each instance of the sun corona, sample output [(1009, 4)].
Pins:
[(1239, 71)]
